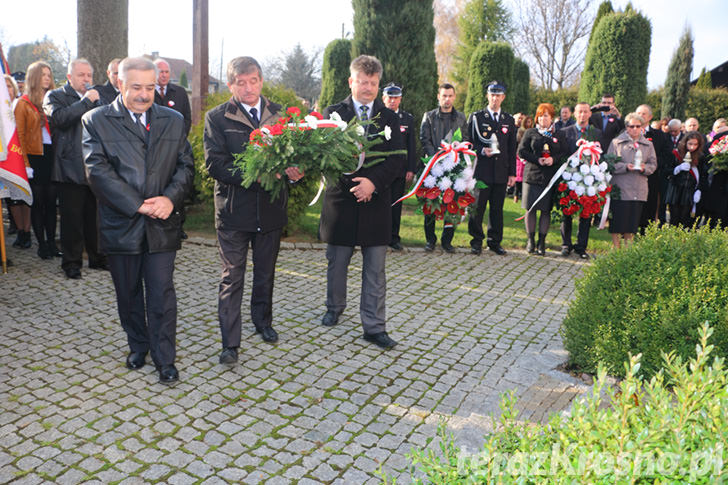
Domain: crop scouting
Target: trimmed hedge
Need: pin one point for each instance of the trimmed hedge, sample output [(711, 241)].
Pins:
[(520, 91), (335, 73), (491, 61), (649, 298)]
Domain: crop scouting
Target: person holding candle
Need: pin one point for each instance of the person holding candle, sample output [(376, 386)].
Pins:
[(688, 177), (637, 161)]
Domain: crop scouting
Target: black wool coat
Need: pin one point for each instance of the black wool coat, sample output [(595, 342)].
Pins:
[(175, 97), (346, 222), (532, 147)]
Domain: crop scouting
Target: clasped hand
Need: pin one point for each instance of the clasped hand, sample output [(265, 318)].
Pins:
[(363, 190), (548, 161), (159, 207)]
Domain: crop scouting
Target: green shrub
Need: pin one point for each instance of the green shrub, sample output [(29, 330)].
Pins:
[(650, 298), (672, 429), (335, 72), (491, 61), (558, 97), (301, 193)]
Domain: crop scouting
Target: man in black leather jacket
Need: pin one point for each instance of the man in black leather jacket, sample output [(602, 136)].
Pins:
[(139, 165)]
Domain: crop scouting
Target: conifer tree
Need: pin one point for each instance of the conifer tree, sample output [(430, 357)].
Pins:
[(677, 84), (705, 81), (520, 92), (491, 61), (335, 72)]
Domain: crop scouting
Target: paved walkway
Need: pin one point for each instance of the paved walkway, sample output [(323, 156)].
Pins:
[(321, 406)]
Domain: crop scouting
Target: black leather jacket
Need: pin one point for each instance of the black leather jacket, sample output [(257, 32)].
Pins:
[(123, 170), (432, 129), (64, 110)]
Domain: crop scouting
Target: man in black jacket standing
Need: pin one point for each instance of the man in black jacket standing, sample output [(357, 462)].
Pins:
[(496, 169), (139, 165), (438, 125), (655, 191), (171, 95), (392, 97), (64, 107), (110, 89), (243, 217), (606, 117), (356, 209)]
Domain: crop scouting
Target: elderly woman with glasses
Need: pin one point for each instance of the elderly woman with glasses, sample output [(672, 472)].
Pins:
[(637, 162)]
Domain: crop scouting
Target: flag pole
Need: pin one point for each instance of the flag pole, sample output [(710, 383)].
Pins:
[(3, 256)]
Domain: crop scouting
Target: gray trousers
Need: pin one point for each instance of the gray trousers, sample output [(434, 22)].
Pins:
[(373, 284), (234, 254)]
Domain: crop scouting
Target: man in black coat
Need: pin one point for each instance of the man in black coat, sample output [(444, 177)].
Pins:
[(496, 170), (392, 97), (438, 125), (110, 89), (569, 137), (171, 95), (357, 208), (656, 193), (139, 165), (243, 217), (64, 107), (606, 117)]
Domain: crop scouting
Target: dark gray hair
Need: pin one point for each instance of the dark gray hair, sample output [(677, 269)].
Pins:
[(136, 64), (242, 65), (369, 65), (79, 60), (113, 61)]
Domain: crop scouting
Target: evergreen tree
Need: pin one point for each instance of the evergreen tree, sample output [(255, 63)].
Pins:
[(299, 71), (491, 61), (335, 72), (401, 35), (183, 79), (605, 8), (705, 81), (617, 59), (520, 92), (480, 20), (677, 84)]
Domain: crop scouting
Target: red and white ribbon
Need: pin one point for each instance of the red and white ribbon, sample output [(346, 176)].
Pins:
[(592, 148)]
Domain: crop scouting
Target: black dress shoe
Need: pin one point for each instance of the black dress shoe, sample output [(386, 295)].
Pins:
[(168, 374), (397, 246), (330, 319), (135, 360), (584, 255), (429, 247), (448, 248), (498, 250), (381, 339), (53, 250), (476, 251), (43, 251), (183, 235), (229, 355), (99, 266), (73, 273), (565, 252), (269, 335)]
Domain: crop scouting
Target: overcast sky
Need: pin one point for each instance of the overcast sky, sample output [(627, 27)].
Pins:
[(266, 29)]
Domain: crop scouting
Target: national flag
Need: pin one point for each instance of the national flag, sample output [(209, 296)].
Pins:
[(13, 176)]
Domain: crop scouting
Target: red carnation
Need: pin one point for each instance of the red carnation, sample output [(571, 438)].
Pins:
[(317, 115), (437, 212), (585, 214), (462, 212), (452, 207), (426, 210), (466, 199), (573, 195), (283, 120), (433, 193), (448, 196), (421, 191), (275, 129), (609, 189), (256, 133), (564, 201), (293, 111), (562, 187)]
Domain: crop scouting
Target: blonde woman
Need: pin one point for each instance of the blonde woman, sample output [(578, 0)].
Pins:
[(35, 141)]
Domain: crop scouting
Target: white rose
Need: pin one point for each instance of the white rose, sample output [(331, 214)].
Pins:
[(599, 176), (608, 177), (572, 185), (591, 191), (360, 130), (387, 132), (589, 180), (579, 190), (312, 121), (602, 187), (566, 175), (584, 169), (594, 169), (574, 162), (576, 177), (603, 166), (335, 116)]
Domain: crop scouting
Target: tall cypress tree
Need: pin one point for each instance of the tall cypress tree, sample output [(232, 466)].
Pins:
[(605, 8), (335, 72), (491, 61), (520, 92), (705, 80), (677, 85), (402, 36), (617, 59)]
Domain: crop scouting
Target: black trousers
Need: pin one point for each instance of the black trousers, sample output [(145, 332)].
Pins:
[(582, 235), (397, 189), (234, 253), (649, 211), (680, 215), (78, 226), (493, 195), (448, 231), (147, 302)]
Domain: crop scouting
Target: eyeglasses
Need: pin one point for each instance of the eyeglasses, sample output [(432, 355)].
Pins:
[(634, 126)]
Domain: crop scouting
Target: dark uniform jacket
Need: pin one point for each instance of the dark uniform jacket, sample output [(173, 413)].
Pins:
[(614, 127), (346, 222), (432, 129), (407, 127), (227, 132), (124, 168), (479, 128), (572, 133), (533, 144), (107, 92), (64, 110), (175, 97)]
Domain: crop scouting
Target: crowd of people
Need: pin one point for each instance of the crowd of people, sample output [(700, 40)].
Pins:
[(114, 158)]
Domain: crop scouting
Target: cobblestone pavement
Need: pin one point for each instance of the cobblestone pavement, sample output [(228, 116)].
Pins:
[(321, 406)]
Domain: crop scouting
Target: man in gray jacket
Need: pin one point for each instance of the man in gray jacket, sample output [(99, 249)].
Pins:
[(139, 165), (437, 126)]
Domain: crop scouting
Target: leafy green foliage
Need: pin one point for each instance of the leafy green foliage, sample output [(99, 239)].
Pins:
[(402, 36), (520, 90), (558, 97), (649, 298), (335, 72), (183, 79), (670, 429), (675, 94), (705, 80), (617, 59), (490, 61)]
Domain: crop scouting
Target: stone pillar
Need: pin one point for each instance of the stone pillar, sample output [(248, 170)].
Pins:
[(103, 33)]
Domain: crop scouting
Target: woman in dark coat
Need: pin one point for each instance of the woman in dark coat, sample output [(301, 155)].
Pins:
[(715, 200), (542, 153), (687, 180)]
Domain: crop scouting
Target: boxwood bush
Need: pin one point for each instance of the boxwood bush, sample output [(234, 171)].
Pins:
[(670, 429), (649, 298)]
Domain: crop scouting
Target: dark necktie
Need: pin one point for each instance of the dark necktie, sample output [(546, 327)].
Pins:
[(254, 115), (161, 91), (495, 117), (364, 110), (140, 125)]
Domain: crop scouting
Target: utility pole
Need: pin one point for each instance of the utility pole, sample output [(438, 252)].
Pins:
[(200, 73)]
